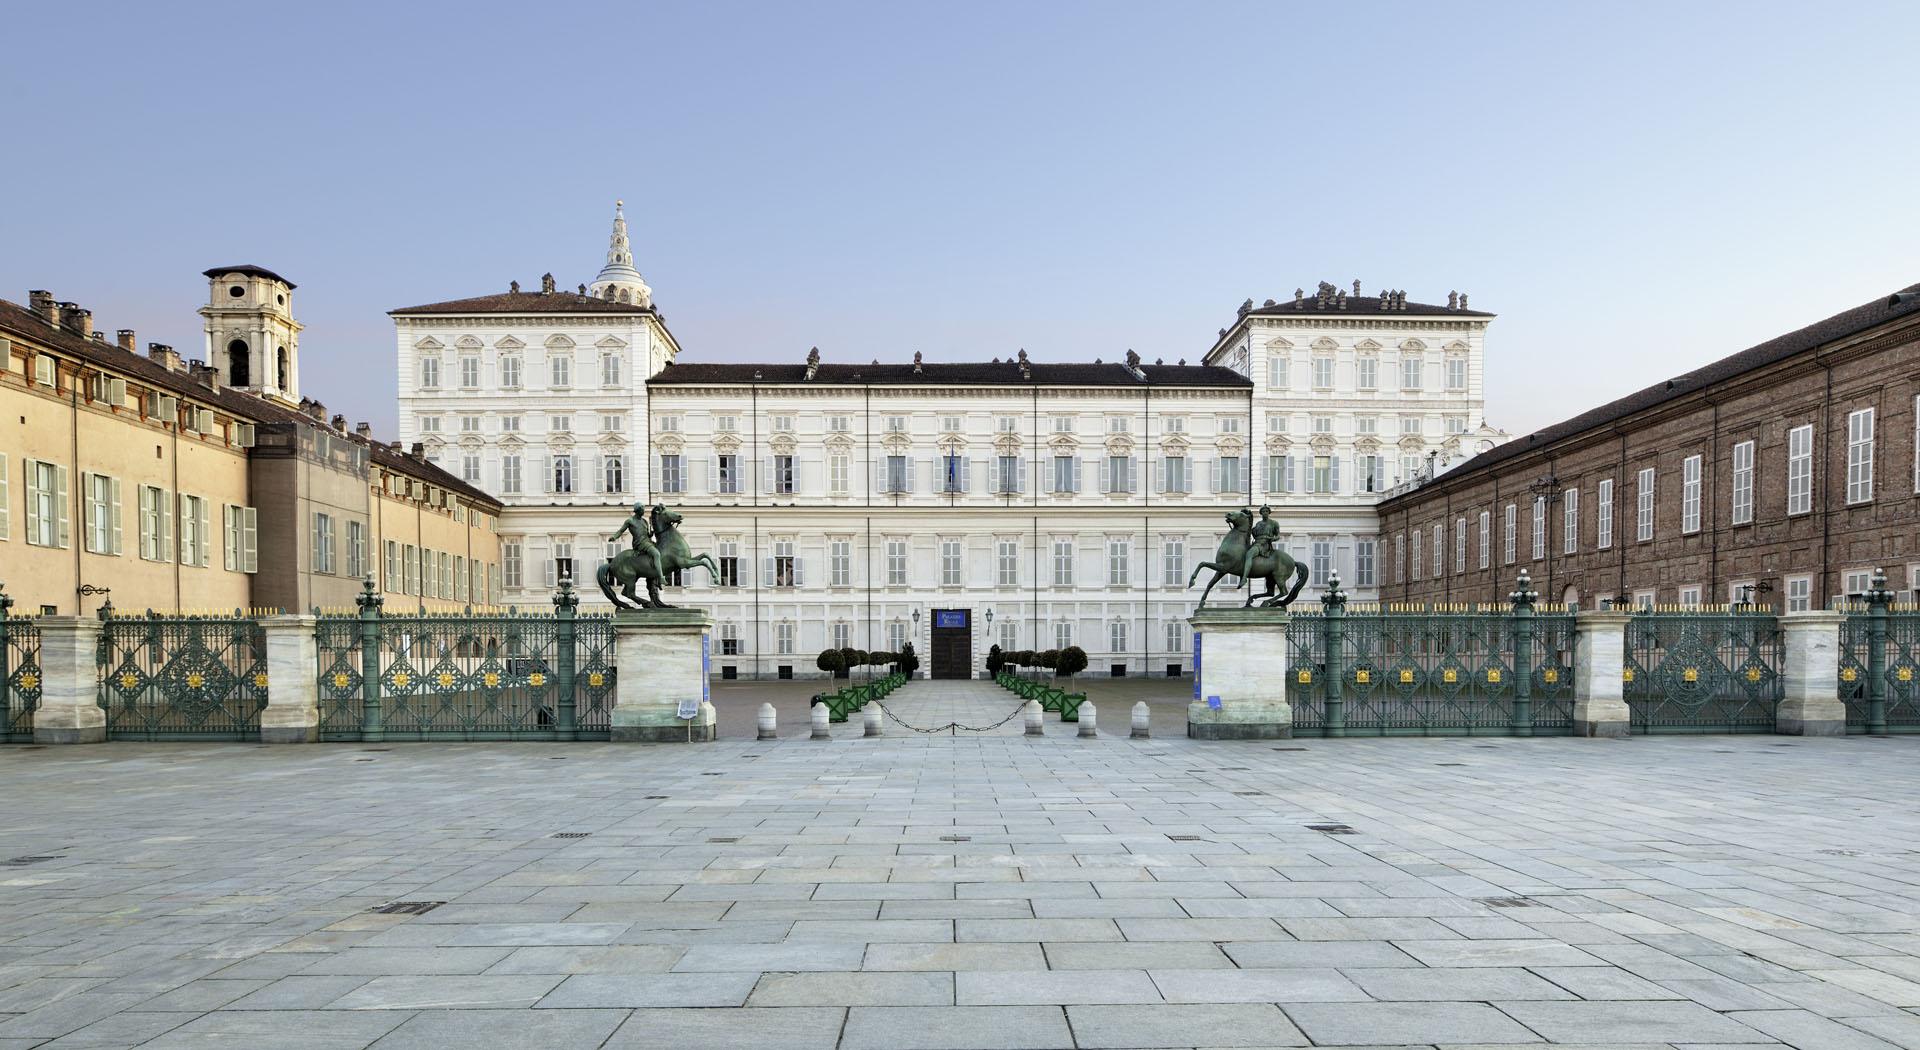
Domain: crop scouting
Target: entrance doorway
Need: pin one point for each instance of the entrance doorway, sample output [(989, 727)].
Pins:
[(952, 655)]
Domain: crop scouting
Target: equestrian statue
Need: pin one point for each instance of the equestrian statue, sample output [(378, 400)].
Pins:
[(658, 550), (1248, 551)]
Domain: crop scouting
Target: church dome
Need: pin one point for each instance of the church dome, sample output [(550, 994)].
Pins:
[(618, 281)]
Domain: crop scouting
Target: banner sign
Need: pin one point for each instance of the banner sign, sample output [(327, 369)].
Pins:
[(950, 618), (1196, 667)]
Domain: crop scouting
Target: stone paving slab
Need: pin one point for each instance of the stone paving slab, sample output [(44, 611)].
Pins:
[(966, 892)]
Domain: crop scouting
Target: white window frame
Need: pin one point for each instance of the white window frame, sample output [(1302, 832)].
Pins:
[(1365, 554), (1570, 521), (1690, 475), (952, 563), (1646, 482), (840, 563), (1460, 546), (1119, 561), (1799, 593), (1742, 483), (1539, 544), (1860, 456), (897, 563), (1800, 469), (1173, 561), (1486, 538), (1007, 557), (1603, 515), (1063, 554), (1510, 541)]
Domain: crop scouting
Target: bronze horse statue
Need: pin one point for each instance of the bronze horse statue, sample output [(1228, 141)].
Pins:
[(1273, 566), (631, 566)]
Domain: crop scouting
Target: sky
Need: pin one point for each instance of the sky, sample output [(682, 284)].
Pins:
[(1634, 189)]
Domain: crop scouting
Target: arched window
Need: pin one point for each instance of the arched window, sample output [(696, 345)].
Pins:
[(280, 376), (239, 369)]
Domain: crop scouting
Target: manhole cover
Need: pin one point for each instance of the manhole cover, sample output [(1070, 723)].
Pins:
[(406, 908), (1185, 838)]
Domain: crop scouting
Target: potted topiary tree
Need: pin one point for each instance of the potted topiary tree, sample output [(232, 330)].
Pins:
[(907, 661), (830, 662), (995, 661), (1071, 661)]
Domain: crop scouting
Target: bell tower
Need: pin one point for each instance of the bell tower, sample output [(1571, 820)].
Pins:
[(252, 337)]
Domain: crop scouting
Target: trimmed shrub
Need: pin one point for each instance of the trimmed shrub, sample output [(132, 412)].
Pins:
[(1072, 661)]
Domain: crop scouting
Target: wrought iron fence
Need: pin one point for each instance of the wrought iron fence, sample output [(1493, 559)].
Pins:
[(20, 674), (1703, 670), (1431, 670), (183, 677), (1880, 662), (465, 676)]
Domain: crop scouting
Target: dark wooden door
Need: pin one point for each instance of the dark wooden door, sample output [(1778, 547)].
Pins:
[(952, 641)]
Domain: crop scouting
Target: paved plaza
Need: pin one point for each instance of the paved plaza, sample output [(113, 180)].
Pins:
[(972, 892)]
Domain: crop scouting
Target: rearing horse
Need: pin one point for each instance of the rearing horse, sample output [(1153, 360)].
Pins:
[(1274, 566), (631, 566)]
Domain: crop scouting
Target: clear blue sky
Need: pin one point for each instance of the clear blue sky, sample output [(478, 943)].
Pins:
[(1634, 189)]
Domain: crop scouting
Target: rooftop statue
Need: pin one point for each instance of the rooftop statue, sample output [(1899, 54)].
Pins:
[(657, 551), (1249, 551)]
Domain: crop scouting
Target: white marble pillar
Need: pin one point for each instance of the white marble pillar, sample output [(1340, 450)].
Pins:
[(1811, 673), (69, 711), (1599, 658), (292, 714), (1243, 661), (662, 658)]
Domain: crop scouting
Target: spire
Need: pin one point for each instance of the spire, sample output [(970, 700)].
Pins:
[(618, 280)]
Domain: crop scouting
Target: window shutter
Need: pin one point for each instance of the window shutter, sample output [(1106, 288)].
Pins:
[(33, 504), (202, 540), (313, 541), (1335, 461), (880, 475), (1133, 473), (89, 517), (1286, 474), (986, 474), (1106, 474), (766, 476), (1160, 476), (249, 540), (799, 566), (60, 500), (6, 493), (966, 475), (113, 513), (1076, 475), (163, 516), (546, 474), (766, 571), (553, 571)]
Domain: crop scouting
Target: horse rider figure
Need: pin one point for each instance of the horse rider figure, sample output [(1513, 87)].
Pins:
[(1265, 531), (641, 531)]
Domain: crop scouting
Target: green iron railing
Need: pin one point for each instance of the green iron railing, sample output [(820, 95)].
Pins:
[(466, 676), (1694, 670), (1880, 662), (1431, 670), (20, 674), (182, 677)]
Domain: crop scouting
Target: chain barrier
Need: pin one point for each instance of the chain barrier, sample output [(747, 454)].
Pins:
[(951, 728)]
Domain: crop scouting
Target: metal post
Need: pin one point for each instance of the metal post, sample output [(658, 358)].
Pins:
[(565, 605), (1334, 634), (372, 729), (1878, 598), (6, 668), (1523, 597)]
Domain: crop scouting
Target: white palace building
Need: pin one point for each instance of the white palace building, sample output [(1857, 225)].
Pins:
[(1029, 503)]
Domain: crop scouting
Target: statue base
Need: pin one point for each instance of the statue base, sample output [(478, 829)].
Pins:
[(1242, 660), (663, 657)]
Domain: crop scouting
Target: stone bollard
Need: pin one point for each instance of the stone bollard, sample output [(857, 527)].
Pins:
[(870, 718), (821, 717), (1142, 721), (1036, 719), (1087, 716), (769, 723)]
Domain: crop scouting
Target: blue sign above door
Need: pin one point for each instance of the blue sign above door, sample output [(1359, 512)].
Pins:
[(950, 618)]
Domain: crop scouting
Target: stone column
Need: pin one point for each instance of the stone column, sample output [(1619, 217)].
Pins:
[(662, 658), (1811, 673), (292, 714), (1242, 660), (1599, 657), (69, 711)]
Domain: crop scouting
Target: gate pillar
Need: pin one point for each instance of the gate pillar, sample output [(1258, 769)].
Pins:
[(1811, 674), (292, 714), (1244, 663), (662, 657), (70, 711), (1599, 658)]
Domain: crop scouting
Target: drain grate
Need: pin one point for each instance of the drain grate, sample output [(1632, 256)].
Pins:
[(1290, 749), (1449, 763), (1506, 902), (406, 908), (656, 796), (1332, 829), (1186, 838), (376, 749), (713, 774), (956, 838), (724, 838), (1249, 792), (570, 834), (21, 862)]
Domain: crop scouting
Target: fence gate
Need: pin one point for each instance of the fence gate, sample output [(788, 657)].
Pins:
[(1880, 663), (1695, 670), (183, 677), (19, 674)]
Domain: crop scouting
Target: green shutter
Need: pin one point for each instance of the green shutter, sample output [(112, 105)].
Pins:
[(60, 500), (113, 512), (249, 539)]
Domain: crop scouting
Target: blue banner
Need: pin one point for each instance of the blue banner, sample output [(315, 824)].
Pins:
[(950, 617), (1196, 667)]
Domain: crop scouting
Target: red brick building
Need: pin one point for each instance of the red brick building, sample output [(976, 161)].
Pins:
[(1791, 467)]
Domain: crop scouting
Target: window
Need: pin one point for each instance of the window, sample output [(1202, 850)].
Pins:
[(729, 639), (897, 635), (470, 467), (836, 424), (727, 467), (1119, 474), (840, 564), (783, 475), (1229, 474), (1439, 550), (1277, 370), (613, 475), (1320, 555), (896, 563), (1063, 424), (1410, 368), (1486, 538), (1459, 546), (241, 548), (1119, 552), (1570, 521), (510, 572), (1323, 371), (1603, 526), (102, 513), (156, 522), (783, 638), (1010, 634), (1643, 498), (1178, 424), (1539, 527), (1416, 556), (469, 424), (1366, 372), (615, 422), (409, 569), (510, 424), (1007, 556), (672, 479), (560, 371), (1005, 424), (391, 581), (1173, 562), (1860, 455), (1510, 533), (429, 373), (842, 637), (1857, 582), (783, 424), (1321, 424), (1363, 559), (953, 474), (563, 474), (1118, 424), (1176, 636), (47, 518), (430, 424), (1456, 424), (1062, 634), (323, 553), (1366, 424), (510, 473), (1799, 593), (560, 424), (1743, 483), (1371, 469), (1410, 426), (1690, 494), (1174, 475), (896, 474), (786, 568), (194, 538), (1062, 562), (356, 549), (469, 371), (1690, 595), (896, 424), (1117, 635), (1066, 474), (510, 372), (1800, 469), (1009, 474), (837, 473), (950, 563), (1321, 479), (1456, 373), (610, 370)]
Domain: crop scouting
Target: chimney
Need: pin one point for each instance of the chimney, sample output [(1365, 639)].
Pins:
[(364, 430), (76, 320), (546, 283), (163, 355), (339, 423), (124, 337), (206, 375), (418, 451), (41, 302)]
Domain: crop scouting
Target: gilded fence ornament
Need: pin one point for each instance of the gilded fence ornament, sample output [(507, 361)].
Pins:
[(657, 551), (1240, 554)]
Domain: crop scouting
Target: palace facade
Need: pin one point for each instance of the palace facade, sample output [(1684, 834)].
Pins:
[(1013, 501)]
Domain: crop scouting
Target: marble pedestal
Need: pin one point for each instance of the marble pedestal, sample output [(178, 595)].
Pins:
[(661, 658), (1811, 705), (1243, 661), (1599, 656), (69, 711)]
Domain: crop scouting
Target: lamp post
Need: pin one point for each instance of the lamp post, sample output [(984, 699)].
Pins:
[(1547, 487)]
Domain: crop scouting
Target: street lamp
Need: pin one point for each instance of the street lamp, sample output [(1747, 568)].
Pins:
[(989, 620)]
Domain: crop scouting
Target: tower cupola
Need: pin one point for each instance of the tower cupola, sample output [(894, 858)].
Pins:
[(619, 282)]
